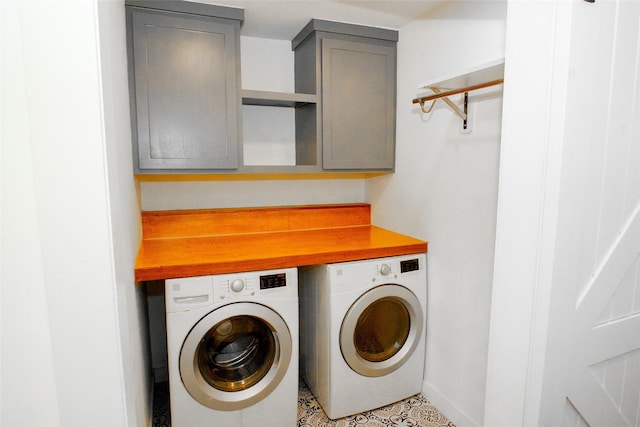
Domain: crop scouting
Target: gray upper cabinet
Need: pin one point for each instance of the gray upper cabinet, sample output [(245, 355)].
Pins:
[(353, 67), (184, 83), (358, 105), (187, 105)]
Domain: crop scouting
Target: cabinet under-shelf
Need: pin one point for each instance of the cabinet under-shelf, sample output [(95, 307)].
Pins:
[(277, 99)]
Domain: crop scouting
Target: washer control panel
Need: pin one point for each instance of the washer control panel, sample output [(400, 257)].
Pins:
[(391, 268), (194, 292), (254, 284), (230, 287), (354, 275)]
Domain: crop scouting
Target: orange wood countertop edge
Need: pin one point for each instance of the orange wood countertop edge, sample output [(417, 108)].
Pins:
[(216, 241)]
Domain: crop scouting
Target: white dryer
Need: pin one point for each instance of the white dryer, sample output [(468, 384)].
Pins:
[(362, 332), (232, 342)]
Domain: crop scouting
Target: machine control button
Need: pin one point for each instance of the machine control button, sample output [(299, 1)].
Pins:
[(237, 285), (385, 269)]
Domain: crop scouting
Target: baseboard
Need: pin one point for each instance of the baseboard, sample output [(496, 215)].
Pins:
[(446, 407)]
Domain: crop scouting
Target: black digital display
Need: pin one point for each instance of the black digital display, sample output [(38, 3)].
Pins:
[(273, 281), (409, 265)]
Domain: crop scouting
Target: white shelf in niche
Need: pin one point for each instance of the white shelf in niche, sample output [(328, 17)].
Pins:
[(483, 73), (478, 77)]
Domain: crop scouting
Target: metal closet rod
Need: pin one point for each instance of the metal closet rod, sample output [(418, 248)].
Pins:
[(424, 99)]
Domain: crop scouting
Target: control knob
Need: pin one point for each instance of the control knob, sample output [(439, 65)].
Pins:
[(237, 285), (385, 269)]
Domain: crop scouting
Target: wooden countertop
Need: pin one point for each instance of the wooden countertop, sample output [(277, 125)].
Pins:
[(215, 241)]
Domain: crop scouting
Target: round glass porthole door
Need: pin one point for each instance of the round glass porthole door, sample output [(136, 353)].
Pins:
[(235, 356), (236, 353), (381, 330)]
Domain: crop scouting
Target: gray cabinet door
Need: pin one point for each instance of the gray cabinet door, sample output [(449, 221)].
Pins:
[(358, 105), (186, 91)]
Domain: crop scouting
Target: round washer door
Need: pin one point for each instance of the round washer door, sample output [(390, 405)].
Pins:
[(381, 330), (235, 356)]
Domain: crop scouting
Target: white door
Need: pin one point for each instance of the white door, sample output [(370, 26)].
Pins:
[(603, 368), (604, 360), (573, 300)]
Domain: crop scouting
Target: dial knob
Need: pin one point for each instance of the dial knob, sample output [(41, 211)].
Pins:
[(237, 285), (385, 269)]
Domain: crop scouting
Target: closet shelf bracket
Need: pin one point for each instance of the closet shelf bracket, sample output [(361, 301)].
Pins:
[(444, 96), (478, 77)]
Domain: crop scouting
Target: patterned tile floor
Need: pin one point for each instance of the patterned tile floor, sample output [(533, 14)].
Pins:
[(415, 411), (411, 412)]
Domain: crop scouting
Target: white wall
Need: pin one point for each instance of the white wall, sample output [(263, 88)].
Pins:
[(71, 351), (224, 194), (528, 183), (27, 371), (125, 212), (445, 191)]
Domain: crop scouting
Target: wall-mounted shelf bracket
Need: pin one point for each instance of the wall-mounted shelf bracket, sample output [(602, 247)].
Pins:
[(461, 113), (486, 75)]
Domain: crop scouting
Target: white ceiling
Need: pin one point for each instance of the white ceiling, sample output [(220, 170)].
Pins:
[(282, 19)]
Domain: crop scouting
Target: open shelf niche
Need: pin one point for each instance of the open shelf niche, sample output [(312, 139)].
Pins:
[(272, 110)]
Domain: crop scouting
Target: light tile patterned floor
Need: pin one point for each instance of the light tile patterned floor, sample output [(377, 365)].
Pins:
[(411, 412), (415, 411)]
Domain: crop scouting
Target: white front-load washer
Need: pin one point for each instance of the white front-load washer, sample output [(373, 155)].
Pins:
[(232, 342), (362, 332)]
